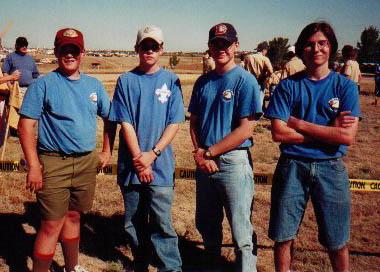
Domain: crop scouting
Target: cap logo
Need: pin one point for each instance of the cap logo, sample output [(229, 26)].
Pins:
[(220, 29), (148, 29), (70, 33)]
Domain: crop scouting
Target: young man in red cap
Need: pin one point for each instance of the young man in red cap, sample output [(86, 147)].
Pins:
[(62, 162), (223, 106)]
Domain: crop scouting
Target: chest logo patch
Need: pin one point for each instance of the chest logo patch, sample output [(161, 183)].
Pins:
[(94, 97), (163, 93), (334, 104), (227, 95)]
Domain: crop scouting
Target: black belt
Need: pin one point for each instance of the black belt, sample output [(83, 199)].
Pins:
[(62, 154), (238, 148), (242, 148)]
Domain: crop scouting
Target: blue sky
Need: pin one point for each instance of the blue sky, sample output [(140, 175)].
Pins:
[(113, 24)]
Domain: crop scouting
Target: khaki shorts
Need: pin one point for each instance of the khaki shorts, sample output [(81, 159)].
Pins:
[(68, 184)]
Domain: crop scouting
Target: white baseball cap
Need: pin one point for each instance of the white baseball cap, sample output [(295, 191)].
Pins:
[(152, 32)]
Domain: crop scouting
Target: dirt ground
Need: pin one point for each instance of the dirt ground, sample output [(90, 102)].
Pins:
[(103, 245)]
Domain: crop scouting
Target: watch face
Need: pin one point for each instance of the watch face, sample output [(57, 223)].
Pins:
[(157, 152), (208, 154)]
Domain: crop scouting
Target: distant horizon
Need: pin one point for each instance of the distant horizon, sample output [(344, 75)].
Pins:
[(113, 25)]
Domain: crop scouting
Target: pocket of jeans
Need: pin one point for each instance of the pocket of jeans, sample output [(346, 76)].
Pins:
[(337, 165), (234, 157)]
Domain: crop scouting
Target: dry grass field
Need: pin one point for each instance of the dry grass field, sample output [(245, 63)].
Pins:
[(104, 248)]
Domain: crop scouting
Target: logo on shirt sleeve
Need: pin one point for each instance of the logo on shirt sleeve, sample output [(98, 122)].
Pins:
[(163, 93), (334, 104), (94, 97), (227, 95)]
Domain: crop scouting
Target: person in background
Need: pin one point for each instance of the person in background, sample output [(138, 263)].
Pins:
[(294, 64), (377, 83), (4, 95), (259, 65), (208, 62), (351, 66), (21, 61)]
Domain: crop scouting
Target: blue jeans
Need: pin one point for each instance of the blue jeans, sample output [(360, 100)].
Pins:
[(327, 183), (232, 189), (148, 224), (262, 96)]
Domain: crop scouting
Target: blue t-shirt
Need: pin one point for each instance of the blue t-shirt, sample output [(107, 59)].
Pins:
[(318, 102), (220, 101), (149, 102), (25, 64), (66, 111)]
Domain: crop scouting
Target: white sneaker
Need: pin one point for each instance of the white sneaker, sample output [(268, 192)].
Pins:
[(77, 268)]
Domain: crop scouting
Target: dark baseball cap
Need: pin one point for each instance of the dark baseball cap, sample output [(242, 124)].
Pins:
[(21, 41), (223, 31), (69, 36)]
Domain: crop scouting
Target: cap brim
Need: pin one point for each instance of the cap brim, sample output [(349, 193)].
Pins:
[(152, 38), (223, 38), (71, 43)]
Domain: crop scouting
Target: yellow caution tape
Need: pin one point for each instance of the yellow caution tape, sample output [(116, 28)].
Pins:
[(365, 185), (12, 166), (189, 174), (109, 169)]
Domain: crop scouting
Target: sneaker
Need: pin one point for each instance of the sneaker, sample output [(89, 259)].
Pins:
[(77, 268)]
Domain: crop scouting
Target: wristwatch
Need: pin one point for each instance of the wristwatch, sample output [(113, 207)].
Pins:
[(156, 151), (208, 154)]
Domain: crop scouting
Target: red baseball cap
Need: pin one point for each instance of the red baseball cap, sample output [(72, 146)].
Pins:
[(69, 36)]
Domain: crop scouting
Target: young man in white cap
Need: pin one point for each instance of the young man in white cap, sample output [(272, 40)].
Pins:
[(63, 161), (148, 105), (223, 106)]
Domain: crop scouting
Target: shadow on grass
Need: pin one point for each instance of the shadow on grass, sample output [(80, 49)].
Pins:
[(15, 243), (101, 237)]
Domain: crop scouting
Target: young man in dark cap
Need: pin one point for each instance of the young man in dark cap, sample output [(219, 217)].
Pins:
[(224, 104), (62, 162), (21, 61)]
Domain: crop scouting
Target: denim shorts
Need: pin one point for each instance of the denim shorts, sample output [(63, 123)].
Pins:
[(327, 183)]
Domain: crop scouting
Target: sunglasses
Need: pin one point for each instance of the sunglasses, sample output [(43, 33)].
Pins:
[(221, 44), (145, 47), (69, 49)]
